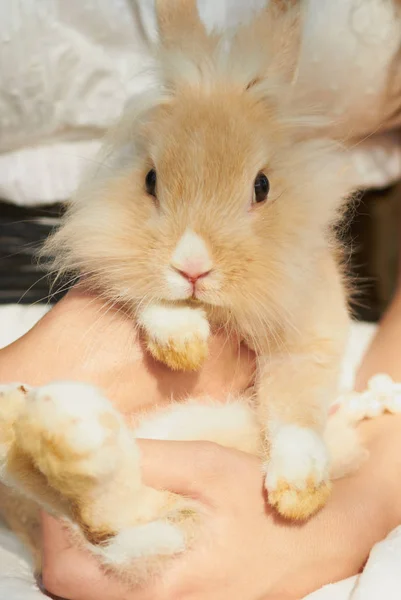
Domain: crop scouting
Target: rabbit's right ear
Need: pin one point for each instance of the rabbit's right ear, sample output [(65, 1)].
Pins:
[(179, 24)]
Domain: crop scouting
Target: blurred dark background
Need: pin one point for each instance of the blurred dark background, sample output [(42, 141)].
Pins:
[(370, 231), (22, 232)]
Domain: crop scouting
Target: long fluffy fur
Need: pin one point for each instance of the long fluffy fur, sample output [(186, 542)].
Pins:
[(215, 115)]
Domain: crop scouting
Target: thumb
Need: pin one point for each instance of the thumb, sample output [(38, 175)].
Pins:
[(199, 470)]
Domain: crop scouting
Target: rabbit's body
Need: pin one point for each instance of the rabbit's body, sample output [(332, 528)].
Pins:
[(65, 449), (213, 212)]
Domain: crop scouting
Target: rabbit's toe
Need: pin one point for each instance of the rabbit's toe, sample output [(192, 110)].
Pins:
[(297, 474), (179, 355), (176, 335), (299, 504)]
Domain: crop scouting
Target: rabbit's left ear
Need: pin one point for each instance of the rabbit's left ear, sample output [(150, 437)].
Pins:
[(179, 24)]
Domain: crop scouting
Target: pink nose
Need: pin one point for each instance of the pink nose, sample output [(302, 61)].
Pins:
[(193, 276)]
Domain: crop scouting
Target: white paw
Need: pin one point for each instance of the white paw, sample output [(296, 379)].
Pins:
[(387, 392), (176, 335), (70, 426), (382, 395), (297, 472), (297, 453), (357, 407), (393, 405), (158, 538), (181, 323)]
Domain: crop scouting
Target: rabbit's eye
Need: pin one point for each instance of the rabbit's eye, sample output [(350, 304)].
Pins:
[(261, 188), (150, 182)]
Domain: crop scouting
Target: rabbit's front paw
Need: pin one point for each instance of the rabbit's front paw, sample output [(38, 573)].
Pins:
[(78, 442), (69, 429), (176, 335), (73, 453), (297, 473)]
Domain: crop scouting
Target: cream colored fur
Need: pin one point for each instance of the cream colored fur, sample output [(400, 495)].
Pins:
[(220, 113), (64, 448)]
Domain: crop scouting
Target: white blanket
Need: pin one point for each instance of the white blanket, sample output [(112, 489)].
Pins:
[(380, 579)]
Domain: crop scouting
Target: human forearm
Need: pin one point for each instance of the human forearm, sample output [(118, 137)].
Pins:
[(383, 354), (362, 511)]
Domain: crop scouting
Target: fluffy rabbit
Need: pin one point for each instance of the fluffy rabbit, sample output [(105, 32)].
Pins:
[(214, 210)]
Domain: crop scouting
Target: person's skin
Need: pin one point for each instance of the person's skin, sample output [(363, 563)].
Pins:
[(383, 353), (248, 554)]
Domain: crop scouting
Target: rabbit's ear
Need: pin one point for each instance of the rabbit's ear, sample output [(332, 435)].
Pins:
[(285, 21), (274, 35), (179, 22)]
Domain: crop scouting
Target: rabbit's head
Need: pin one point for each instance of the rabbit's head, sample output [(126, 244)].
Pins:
[(212, 192)]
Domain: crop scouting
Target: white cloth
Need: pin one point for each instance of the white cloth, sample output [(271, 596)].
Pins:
[(381, 577), (67, 69), (16, 320)]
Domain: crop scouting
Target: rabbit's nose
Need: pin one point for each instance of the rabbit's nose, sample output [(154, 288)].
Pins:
[(192, 274), (191, 258)]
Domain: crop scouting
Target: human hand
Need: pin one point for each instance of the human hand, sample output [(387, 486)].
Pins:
[(84, 339), (243, 551)]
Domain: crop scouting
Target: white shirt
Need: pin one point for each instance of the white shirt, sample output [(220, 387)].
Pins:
[(67, 69)]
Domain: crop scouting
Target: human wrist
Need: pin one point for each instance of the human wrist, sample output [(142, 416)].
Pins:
[(77, 339)]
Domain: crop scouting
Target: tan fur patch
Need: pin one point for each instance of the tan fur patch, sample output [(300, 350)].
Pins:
[(299, 505), (187, 357), (109, 421), (95, 534)]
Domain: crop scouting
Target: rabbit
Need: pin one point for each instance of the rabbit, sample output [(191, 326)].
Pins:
[(213, 210)]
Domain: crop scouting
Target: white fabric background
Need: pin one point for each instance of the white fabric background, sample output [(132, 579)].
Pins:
[(67, 69)]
